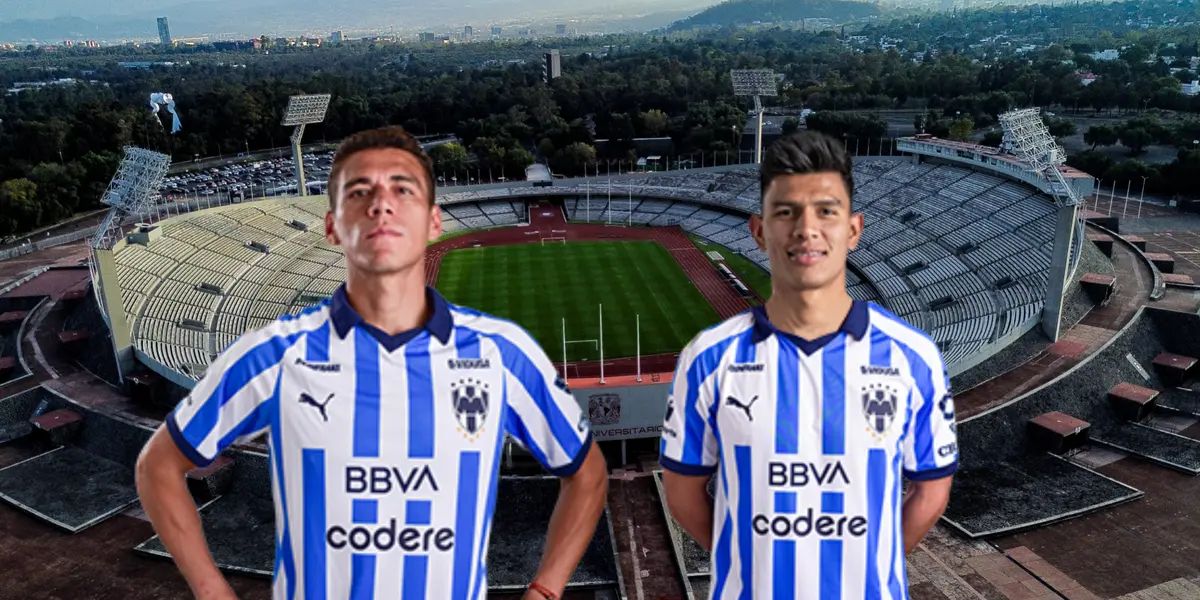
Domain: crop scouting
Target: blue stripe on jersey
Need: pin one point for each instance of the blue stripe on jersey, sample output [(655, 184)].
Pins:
[(313, 482), (894, 585), (485, 528), (745, 347), (881, 349), (275, 439), (831, 551), (366, 394), (833, 502), (416, 567), (362, 566), (785, 502), (922, 436), (876, 478), (745, 516), (723, 555), (362, 577), (420, 397), (787, 403), (833, 397), (517, 429), (364, 510), (702, 366), (784, 570), (317, 346), (783, 565), (467, 342), (534, 383), (244, 369), (418, 512), (464, 522), (255, 421)]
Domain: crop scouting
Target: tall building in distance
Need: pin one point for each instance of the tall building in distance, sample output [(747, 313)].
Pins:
[(560, 29), (496, 31), (551, 66), (164, 32), (336, 37), (468, 31)]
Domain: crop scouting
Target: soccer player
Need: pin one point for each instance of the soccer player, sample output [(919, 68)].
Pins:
[(809, 410), (387, 407)]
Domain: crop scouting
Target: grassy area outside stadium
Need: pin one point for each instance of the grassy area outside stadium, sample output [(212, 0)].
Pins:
[(538, 285)]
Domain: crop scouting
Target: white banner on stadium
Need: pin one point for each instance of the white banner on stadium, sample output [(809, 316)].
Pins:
[(621, 413)]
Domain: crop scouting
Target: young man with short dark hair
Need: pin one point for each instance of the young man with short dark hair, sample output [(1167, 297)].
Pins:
[(387, 407), (810, 410)]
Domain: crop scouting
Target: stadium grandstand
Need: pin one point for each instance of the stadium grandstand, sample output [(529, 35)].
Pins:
[(1073, 397)]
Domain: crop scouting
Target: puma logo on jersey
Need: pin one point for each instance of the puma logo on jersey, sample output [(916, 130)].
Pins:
[(731, 401), (309, 400)]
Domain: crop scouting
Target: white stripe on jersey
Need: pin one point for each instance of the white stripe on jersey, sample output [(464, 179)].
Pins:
[(810, 442), (384, 461)]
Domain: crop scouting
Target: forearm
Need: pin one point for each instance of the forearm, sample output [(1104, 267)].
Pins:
[(695, 516), (173, 513), (571, 529), (920, 512)]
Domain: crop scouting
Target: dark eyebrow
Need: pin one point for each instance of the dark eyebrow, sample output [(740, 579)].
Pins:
[(784, 203), (364, 180)]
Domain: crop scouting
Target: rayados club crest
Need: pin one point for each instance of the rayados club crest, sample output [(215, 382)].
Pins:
[(880, 402), (470, 402)]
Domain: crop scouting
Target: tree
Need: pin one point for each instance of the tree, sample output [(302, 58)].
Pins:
[(448, 157), (790, 125), (992, 138), (1136, 139), (18, 205), (961, 128), (1100, 135)]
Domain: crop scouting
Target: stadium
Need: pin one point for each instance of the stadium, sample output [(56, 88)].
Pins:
[(1071, 348)]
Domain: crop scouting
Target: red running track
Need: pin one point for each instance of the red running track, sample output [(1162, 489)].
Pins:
[(547, 220)]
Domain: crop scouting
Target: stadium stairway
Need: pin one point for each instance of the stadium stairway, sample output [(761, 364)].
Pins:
[(1138, 434)]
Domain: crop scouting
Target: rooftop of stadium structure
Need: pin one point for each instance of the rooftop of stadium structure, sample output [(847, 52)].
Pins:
[(1131, 540)]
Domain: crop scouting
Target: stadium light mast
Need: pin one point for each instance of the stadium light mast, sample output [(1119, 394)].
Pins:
[(303, 110), (1030, 140), (755, 83), (133, 192)]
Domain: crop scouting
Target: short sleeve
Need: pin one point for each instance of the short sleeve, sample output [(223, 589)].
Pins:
[(689, 443), (931, 441), (541, 413), (233, 400)]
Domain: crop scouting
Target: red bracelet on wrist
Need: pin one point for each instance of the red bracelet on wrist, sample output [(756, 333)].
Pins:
[(543, 590)]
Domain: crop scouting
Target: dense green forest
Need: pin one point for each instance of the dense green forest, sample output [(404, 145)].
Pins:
[(59, 145)]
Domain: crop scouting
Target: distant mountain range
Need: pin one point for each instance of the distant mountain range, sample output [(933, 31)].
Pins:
[(251, 18), (748, 12)]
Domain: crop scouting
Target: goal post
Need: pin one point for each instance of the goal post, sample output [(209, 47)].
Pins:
[(553, 240)]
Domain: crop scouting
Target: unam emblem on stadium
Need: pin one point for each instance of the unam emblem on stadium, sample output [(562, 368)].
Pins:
[(604, 409), (879, 404), (470, 402)]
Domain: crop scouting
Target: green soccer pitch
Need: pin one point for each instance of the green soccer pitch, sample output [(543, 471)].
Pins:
[(537, 285)]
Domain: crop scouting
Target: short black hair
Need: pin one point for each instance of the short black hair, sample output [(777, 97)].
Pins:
[(392, 136), (806, 151)]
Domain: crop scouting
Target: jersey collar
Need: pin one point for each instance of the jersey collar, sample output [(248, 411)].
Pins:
[(855, 325), (345, 318)]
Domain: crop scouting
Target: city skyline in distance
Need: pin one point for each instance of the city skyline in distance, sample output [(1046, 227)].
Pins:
[(136, 19)]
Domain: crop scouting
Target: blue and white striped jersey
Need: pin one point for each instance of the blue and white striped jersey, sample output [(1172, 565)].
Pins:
[(384, 449), (810, 440)]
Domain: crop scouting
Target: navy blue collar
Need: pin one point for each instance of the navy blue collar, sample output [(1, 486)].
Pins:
[(345, 318), (855, 324)]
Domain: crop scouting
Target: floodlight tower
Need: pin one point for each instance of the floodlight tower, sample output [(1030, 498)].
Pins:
[(1025, 131), (301, 111), (756, 83), (133, 192)]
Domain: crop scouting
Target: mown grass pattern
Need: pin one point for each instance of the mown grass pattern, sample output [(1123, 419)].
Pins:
[(537, 285)]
